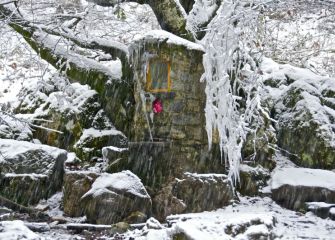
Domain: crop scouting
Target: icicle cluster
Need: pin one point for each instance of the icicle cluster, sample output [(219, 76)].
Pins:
[(230, 69)]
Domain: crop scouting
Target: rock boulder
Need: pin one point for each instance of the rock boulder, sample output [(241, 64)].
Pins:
[(293, 187), (30, 172), (114, 197)]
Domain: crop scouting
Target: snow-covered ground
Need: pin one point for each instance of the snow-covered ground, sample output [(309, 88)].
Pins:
[(252, 216)]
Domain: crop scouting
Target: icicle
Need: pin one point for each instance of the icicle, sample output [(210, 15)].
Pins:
[(227, 42)]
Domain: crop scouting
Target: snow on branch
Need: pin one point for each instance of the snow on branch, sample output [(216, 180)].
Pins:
[(55, 46)]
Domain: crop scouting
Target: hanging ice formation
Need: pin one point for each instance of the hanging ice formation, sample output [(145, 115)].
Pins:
[(229, 69)]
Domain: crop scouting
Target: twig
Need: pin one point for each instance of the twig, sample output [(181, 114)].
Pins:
[(6, 3)]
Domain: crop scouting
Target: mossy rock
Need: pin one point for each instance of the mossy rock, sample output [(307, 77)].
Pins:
[(252, 179), (76, 184), (92, 141)]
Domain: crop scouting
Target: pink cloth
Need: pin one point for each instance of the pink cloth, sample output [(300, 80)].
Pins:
[(157, 106)]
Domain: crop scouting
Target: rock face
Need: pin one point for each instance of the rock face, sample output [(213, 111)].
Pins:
[(204, 192), (30, 172), (293, 187), (93, 140), (252, 179), (76, 112), (174, 137), (303, 104), (193, 193), (164, 203), (76, 184), (11, 128), (114, 197), (116, 158)]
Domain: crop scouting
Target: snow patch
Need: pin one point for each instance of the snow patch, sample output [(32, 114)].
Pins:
[(170, 38), (11, 148), (303, 177), (123, 181), (95, 133), (13, 230)]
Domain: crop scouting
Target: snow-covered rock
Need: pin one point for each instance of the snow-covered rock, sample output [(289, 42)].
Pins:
[(30, 172), (293, 187), (193, 192), (116, 159), (204, 192), (302, 104), (252, 179), (322, 209), (93, 140), (113, 197)]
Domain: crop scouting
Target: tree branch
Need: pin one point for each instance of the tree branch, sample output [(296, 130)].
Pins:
[(79, 68), (6, 3), (170, 15)]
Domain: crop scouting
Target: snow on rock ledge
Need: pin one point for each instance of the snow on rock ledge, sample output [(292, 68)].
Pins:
[(93, 140), (293, 187), (124, 181), (169, 38), (113, 197)]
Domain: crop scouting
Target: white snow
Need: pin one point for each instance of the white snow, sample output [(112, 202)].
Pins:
[(12, 148), (14, 230), (312, 88), (200, 14), (113, 149), (257, 215), (205, 175), (33, 176), (60, 47), (301, 33), (229, 45), (170, 38), (303, 177), (95, 133), (125, 181), (316, 205)]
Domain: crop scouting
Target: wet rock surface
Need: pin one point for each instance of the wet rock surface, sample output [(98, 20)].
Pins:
[(203, 192), (116, 158), (114, 197), (30, 172), (164, 203), (93, 140), (252, 179), (193, 193), (302, 103), (76, 184)]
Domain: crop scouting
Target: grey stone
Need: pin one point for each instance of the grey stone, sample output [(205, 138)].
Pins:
[(30, 172), (114, 197), (252, 179), (204, 192), (76, 184)]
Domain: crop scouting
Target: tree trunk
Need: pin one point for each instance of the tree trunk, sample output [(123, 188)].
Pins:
[(170, 16)]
